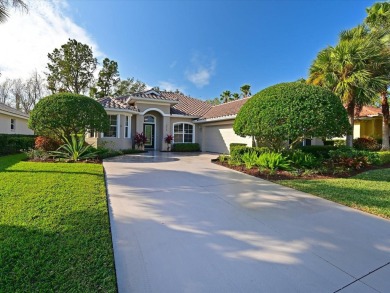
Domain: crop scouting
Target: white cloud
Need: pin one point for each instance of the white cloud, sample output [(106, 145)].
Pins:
[(169, 86), (27, 38), (202, 70)]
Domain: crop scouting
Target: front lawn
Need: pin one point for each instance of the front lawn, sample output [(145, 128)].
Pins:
[(54, 228), (368, 191)]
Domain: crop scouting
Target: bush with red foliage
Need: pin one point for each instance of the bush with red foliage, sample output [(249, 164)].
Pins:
[(366, 143), (46, 143)]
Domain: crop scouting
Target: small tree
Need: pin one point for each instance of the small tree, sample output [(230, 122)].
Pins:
[(66, 114), (291, 111)]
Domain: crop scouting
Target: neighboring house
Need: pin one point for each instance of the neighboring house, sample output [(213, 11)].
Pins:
[(368, 122), (158, 114), (13, 121)]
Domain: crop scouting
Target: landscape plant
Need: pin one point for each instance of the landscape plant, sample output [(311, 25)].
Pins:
[(74, 150), (66, 114), (140, 139), (272, 162), (366, 143), (291, 111)]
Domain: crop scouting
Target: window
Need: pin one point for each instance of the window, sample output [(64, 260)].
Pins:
[(127, 127), (148, 119), (13, 124), (113, 120), (183, 132)]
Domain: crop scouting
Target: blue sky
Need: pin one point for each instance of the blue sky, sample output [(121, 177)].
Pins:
[(203, 47)]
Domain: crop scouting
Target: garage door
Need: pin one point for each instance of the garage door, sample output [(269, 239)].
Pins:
[(218, 138)]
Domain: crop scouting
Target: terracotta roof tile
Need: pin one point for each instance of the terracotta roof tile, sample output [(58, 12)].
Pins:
[(368, 111), (151, 94), (187, 106), (223, 110), (116, 103)]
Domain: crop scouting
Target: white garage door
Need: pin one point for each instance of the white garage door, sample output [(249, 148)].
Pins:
[(217, 139)]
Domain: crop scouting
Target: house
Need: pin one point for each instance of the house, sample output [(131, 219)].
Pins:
[(158, 114), (368, 122), (13, 121)]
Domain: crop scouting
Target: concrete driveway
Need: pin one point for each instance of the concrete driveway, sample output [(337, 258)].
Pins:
[(183, 224)]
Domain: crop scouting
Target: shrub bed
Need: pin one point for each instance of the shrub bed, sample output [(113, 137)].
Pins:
[(15, 143), (186, 147), (366, 143), (384, 157)]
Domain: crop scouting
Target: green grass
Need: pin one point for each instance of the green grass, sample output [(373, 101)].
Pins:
[(369, 191), (54, 228)]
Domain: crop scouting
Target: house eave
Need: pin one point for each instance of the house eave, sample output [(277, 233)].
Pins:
[(223, 118), (9, 113), (152, 101)]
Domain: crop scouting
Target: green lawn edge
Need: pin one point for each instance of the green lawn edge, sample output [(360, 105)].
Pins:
[(55, 231), (368, 191)]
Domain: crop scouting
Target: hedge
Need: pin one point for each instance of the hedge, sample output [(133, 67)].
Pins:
[(319, 151), (14, 143), (384, 157), (186, 147)]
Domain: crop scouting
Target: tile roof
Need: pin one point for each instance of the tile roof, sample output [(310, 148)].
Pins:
[(151, 94), (116, 103), (5, 108), (368, 111), (187, 106), (224, 110)]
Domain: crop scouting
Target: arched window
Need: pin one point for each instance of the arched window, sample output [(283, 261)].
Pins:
[(183, 132), (149, 119)]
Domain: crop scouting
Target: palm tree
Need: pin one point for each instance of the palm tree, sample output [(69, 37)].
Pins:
[(348, 69), (245, 90), (5, 4), (236, 96), (378, 20), (226, 96)]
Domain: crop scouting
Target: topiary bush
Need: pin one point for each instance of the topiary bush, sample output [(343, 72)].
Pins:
[(66, 114), (15, 143), (366, 143), (186, 147), (292, 111)]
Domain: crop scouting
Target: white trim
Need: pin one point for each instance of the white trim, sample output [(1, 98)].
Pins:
[(230, 117), (193, 131), (154, 109), (118, 126), (21, 116), (113, 110), (128, 125), (152, 101), (184, 116)]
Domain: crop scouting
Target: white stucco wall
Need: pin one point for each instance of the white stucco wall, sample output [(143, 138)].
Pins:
[(20, 125)]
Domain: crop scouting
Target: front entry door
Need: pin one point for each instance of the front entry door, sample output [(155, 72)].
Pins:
[(149, 133)]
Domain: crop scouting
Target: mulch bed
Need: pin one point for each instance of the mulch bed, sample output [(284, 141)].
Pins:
[(285, 175)]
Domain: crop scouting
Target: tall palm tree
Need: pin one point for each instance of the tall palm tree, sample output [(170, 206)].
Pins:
[(378, 20), (226, 96), (5, 4), (245, 90), (348, 69)]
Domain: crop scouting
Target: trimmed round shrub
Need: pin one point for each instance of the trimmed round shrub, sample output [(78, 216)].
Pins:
[(291, 111), (66, 114)]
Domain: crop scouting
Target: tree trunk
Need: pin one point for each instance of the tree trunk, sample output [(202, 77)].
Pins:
[(351, 118), (385, 122)]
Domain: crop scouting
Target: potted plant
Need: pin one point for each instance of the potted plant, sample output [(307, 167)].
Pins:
[(168, 140), (140, 140)]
